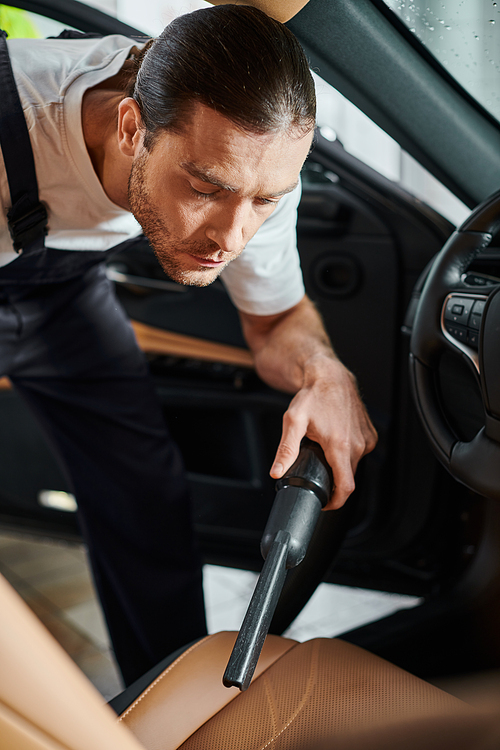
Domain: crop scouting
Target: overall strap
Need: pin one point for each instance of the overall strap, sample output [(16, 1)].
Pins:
[(28, 217)]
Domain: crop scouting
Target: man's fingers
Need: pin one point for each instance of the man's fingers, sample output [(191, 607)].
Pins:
[(371, 437), (343, 478), (289, 447), (344, 462), (338, 498), (285, 456)]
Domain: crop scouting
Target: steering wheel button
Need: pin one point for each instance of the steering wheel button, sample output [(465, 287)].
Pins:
[(478, 306), (458, 309), (475, 321), (473, 339), (458, 333)]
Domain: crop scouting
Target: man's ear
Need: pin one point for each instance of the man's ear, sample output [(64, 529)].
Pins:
[(130, 131)]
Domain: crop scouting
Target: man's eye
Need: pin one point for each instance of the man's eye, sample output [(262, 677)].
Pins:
[(201, 193)]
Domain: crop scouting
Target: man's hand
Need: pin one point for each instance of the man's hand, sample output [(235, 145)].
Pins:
[(292, 353), (329, 410)]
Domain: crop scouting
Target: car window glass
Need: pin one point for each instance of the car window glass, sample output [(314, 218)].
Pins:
[(153, 15), (464, 36), (24, 24), (339, 119)]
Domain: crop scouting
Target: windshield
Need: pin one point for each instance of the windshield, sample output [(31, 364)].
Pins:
[(464, 36)]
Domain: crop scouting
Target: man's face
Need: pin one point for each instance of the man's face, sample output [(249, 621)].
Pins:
[(202, 194)]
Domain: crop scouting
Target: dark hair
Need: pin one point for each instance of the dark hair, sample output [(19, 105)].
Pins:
[(232, 58)]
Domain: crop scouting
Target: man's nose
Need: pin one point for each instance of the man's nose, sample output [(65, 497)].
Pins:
[(228, 228)]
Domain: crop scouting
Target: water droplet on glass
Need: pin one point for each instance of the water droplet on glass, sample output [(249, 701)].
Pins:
[(448, 28), (431, 28), (491, 21), (494, 5), (413, 30), (476, 37)]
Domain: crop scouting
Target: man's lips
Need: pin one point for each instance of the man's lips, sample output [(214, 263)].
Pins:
[(207, 262)]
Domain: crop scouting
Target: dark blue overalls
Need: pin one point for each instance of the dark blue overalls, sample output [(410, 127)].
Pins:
[(70, 352)]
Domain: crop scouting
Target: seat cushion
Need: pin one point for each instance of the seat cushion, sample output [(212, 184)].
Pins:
[(317, 689), (311, 691), (190, 691)]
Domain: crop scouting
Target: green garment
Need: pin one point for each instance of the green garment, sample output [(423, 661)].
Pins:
[(17, 23)]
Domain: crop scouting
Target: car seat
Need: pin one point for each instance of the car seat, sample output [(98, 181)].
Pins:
[(302, 695)]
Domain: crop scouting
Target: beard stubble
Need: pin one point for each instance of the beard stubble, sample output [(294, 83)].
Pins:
[(168, 250)]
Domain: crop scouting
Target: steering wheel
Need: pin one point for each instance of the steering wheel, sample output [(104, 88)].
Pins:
[(455, 315)]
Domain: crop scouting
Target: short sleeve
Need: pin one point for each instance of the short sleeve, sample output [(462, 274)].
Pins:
[(266, 279)]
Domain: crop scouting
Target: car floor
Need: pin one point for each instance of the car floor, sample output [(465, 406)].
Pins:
[(53, 578)]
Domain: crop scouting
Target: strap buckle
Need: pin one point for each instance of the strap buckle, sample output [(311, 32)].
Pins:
[(29, 227)]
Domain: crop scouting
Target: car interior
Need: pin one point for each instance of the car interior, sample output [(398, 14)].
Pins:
[(412, 307)]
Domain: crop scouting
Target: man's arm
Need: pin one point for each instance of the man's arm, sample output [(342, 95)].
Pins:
[(293, 353), (274, 8)]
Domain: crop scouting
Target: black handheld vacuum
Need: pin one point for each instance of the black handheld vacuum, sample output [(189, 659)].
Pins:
[(301, 494)]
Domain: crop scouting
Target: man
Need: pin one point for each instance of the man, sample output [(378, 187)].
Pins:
[(201, 137)]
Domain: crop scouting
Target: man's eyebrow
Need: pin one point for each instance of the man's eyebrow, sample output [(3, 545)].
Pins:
[(206, 176), (288, 189)]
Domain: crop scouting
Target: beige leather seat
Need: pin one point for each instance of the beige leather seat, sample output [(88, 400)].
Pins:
[(301, 695)]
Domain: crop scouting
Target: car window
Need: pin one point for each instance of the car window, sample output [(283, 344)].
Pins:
[(151, 17), (464, 36), (338, 118)]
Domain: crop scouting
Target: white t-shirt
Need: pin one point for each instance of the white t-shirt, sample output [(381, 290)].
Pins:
[(52, 76)]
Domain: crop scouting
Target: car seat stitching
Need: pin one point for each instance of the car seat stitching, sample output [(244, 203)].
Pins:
[(271, 704), (310, 684), (160, 677)]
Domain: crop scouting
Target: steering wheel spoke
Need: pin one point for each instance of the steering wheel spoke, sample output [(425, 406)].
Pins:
[(461, 317)]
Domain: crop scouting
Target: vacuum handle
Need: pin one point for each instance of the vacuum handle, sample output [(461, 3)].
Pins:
[(301, 493), (310, 471), (255, 625)]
